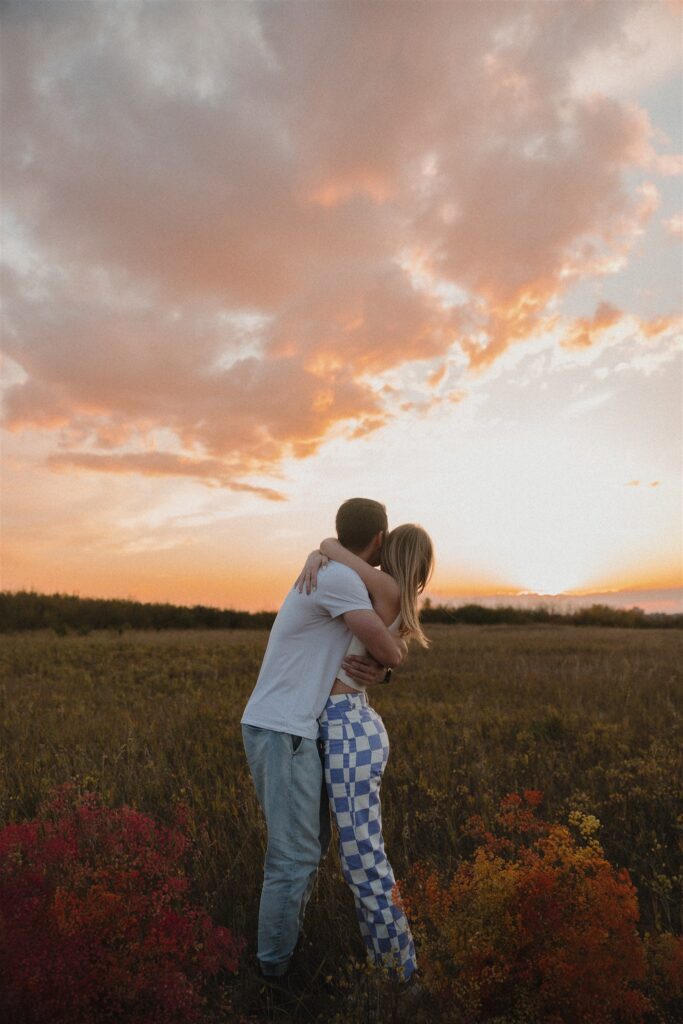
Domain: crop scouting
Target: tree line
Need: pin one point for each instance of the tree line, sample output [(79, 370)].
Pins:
[(64, 613), (594, 615)]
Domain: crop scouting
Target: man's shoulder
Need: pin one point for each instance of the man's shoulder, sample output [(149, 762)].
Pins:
[(337, 572), (341, 589), (334, 578), (334, 575), (339, 567)]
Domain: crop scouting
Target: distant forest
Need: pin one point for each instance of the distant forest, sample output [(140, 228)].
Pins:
[(67, 613)]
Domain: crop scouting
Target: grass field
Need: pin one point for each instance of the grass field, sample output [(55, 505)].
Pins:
[(590, 716)]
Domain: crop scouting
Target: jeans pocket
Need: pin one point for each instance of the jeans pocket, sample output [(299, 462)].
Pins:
[(296, 742)]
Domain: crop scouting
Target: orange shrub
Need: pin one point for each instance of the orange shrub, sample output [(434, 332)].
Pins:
[(538, 925)]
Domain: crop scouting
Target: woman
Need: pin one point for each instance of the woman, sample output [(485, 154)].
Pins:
[(356, 745)]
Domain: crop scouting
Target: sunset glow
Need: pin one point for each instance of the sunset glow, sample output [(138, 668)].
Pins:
[(260, 258)]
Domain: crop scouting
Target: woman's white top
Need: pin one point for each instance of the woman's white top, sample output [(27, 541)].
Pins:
[(356, 647)]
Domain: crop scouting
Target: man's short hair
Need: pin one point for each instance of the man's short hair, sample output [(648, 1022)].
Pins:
[(358, 521)]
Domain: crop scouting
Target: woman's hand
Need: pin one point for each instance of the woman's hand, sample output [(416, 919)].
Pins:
[(309, 574)]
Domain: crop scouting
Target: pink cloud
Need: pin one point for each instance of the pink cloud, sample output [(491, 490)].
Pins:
[(585, 330), (209, 471), (174, 173), (674, 225)]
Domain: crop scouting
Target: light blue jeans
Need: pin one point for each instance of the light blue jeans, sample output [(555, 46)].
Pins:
[(288, 776)]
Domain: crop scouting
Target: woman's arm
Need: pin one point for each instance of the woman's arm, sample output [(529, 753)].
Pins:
[(380, 585)]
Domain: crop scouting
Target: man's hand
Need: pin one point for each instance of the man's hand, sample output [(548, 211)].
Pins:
[(308, 576), (363, 670)]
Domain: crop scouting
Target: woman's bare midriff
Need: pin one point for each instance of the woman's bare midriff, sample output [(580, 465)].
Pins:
[(339, 687)]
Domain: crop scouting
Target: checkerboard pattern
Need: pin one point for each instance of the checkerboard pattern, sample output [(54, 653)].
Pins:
[(356, 748)]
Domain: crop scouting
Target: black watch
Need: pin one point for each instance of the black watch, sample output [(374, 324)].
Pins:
[(387, 676)]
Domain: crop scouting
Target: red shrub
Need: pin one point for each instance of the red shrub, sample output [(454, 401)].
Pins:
[(96, 921)]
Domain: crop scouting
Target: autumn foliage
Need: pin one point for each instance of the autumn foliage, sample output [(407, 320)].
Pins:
[(96, 918), (537, 925)]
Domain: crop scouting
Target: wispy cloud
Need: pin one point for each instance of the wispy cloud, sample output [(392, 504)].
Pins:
[(583, 405), (209, 471), (674, 225)]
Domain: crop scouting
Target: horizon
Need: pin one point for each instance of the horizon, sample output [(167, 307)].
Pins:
[(439, 267), (667, 602)]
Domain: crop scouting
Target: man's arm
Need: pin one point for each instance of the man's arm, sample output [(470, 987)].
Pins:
[(384, 646), (364, 669)]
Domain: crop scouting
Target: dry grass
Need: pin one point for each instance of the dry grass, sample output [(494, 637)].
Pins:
[(591, 716)]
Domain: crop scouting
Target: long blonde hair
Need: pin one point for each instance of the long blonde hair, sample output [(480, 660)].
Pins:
[(408, 555)]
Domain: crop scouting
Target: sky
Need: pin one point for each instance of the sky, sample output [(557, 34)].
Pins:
[(261, 257)]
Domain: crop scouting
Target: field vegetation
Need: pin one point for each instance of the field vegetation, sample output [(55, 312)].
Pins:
[(585, 722)]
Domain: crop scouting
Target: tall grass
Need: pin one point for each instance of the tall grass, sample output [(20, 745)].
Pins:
[(591, 717)]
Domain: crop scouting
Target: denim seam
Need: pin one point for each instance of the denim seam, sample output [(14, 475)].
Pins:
[(283, 910)]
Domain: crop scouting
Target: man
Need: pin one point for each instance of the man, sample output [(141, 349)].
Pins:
[(305, 649)]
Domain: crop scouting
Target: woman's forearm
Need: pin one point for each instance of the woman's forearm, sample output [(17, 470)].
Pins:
[(379, 585), (332, 548), (336, 551)]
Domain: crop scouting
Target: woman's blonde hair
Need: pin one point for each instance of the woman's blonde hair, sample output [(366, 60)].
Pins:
[(408, 555)]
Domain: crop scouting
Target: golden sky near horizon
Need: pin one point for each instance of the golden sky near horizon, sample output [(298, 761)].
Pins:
[(258, 258)]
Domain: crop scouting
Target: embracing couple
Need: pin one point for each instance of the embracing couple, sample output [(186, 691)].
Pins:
[(314, 744)]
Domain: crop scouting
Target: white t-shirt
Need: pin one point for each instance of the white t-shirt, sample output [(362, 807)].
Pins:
[(307, 642)]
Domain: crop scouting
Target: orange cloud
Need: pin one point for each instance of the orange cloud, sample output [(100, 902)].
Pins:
[(659, 324), (208, 471), (210, 208), (437, 376), (585, 330), (674, 225)]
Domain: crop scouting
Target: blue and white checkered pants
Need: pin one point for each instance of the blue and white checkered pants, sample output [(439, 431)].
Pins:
[(356, 748)]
